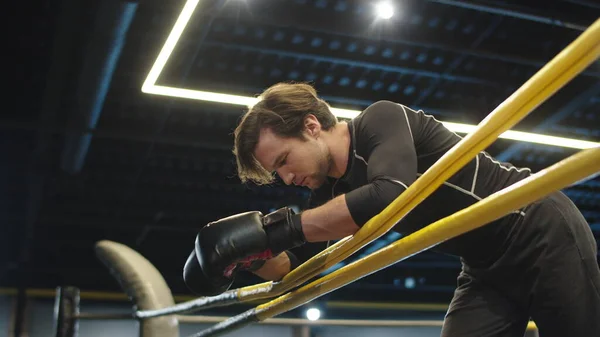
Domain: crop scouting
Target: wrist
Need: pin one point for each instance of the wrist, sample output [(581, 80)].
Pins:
[(284, 230)]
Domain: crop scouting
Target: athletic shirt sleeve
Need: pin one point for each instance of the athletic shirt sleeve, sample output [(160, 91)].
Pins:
[(384, 141)]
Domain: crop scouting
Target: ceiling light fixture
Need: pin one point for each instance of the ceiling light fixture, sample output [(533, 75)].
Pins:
[(384, 10), (150, 87)]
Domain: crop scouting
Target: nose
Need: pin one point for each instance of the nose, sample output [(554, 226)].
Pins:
[(286, 176)]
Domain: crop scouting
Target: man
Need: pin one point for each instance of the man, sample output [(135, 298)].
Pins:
[(539, 261)]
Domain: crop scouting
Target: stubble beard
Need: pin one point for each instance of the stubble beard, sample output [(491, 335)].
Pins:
[(325, 165)]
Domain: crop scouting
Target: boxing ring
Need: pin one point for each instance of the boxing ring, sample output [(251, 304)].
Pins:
[(159, 316)]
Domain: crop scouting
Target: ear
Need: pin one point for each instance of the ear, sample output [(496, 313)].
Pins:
[(312, 125)]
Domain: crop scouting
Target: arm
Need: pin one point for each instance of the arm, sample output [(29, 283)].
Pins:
[(330, 221)]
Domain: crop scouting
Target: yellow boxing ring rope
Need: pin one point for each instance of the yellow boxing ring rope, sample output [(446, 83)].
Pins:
[(554, 75), (562, 174), (556, 177)]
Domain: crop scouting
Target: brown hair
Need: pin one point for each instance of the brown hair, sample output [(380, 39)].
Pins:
[(283, 108)]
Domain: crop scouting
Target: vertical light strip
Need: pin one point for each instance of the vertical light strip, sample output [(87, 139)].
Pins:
[(167, 49)]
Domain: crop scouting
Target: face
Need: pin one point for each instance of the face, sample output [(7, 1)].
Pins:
[(303, 162)]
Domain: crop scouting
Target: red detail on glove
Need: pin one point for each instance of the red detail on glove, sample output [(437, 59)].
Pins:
[(247, 262)]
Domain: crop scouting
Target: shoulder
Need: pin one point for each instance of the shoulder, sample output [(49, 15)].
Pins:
[(382, 107), (384, 110), (383, 115)]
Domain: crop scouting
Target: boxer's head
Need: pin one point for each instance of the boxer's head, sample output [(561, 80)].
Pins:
[(282, 134)]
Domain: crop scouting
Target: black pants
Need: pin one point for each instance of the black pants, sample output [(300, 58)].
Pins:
[(548, 272)]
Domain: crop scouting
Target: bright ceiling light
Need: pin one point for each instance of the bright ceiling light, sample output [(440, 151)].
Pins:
[(384, 10), (150, 87), (313, 314)]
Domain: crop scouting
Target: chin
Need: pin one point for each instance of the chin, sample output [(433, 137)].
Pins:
[(313, 184)]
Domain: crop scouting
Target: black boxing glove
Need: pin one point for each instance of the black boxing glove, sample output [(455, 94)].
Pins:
[(199, 283), (242, 241)]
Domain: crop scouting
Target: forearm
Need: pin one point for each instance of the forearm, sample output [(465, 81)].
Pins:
[(331, 221), (274, 269)]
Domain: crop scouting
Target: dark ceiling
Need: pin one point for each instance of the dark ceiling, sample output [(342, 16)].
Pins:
[(88, 156)]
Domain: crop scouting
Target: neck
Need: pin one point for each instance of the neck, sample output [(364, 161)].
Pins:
[(338, 143)]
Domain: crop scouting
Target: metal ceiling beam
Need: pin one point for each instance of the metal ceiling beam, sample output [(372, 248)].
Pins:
[(112, 22), (482, 6), (585, 3), (460, 59), (324, 28), (559, 115), (352, 63)]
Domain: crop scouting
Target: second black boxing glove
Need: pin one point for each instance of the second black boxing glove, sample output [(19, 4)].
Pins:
[(199, 283), (239, 240)]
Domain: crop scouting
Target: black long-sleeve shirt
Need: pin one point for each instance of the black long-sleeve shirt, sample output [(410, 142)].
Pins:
[(391, 146)]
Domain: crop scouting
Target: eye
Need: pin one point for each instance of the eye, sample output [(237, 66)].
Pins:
[(283, 161)]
